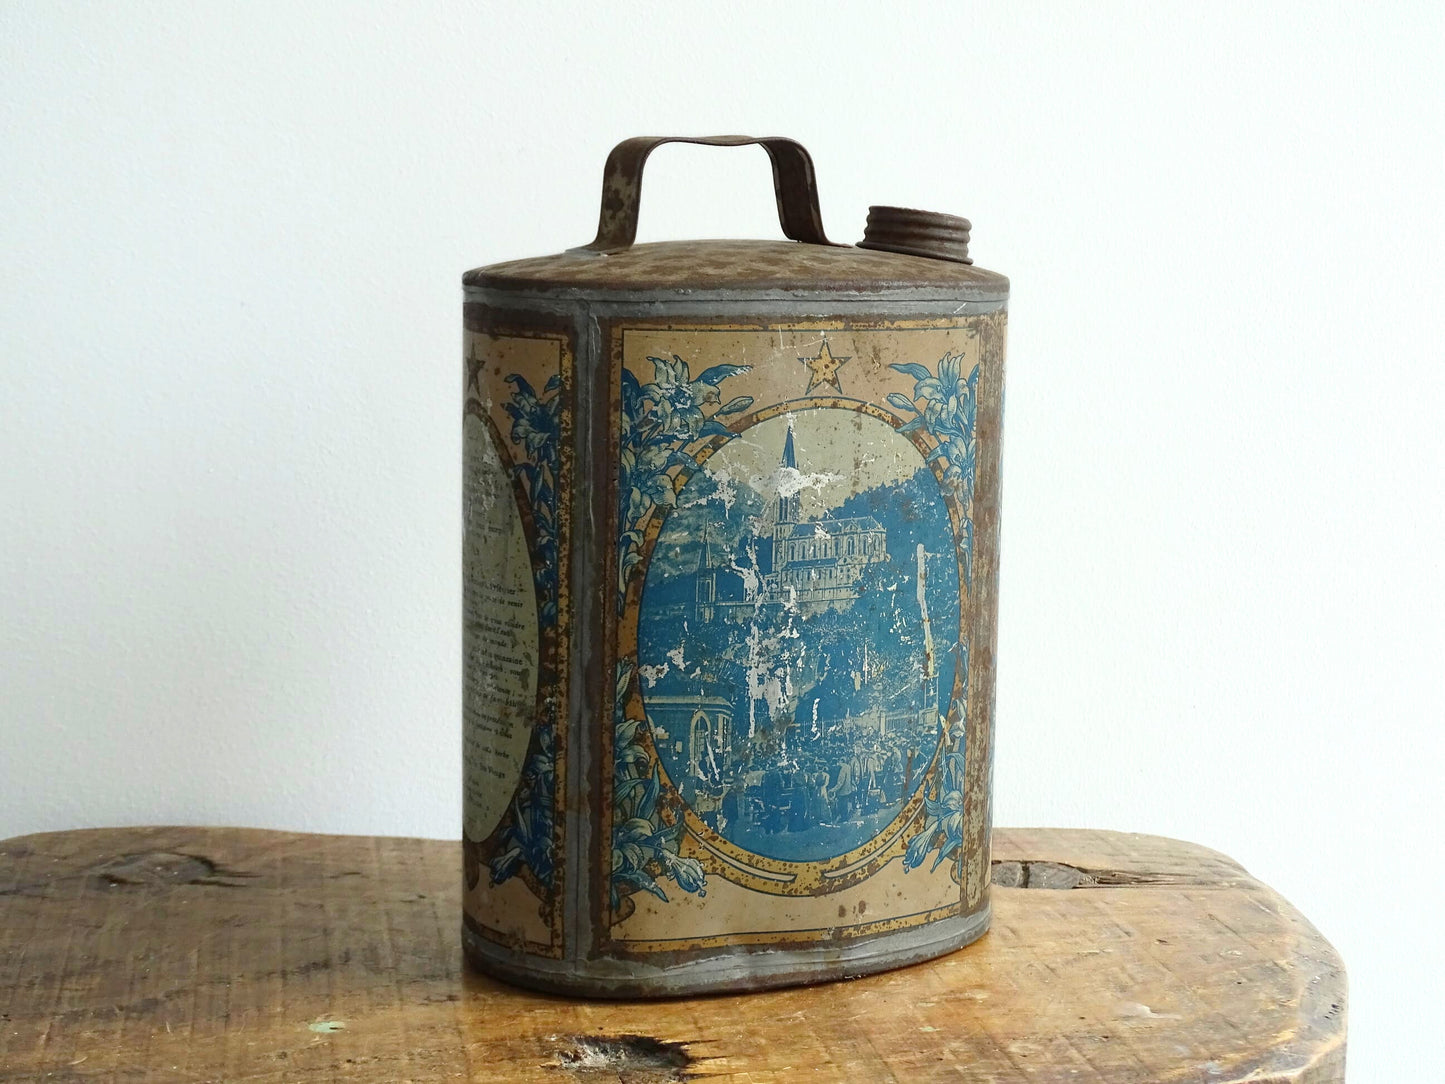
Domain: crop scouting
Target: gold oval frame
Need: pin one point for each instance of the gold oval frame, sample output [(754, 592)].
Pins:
[(719, 855)]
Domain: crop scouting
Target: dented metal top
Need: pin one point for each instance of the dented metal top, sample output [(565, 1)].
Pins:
[(905, 253), (686, 267)]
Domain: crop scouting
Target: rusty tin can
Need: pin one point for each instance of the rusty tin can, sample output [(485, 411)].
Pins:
[(730, 570)]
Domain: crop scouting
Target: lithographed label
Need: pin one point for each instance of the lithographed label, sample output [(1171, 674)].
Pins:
[(517, 464), (789, 755), (499, 636)]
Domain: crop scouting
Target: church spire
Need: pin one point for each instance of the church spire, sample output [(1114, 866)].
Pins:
[(788, 503)]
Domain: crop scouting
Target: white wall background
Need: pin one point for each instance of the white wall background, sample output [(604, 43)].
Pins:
[(229, 337)]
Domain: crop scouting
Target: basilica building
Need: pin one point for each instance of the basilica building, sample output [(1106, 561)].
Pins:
[(802, 564), (816, 563)]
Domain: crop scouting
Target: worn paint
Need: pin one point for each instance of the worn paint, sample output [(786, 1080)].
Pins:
[(791, 635), (764, 688), (500, 635)]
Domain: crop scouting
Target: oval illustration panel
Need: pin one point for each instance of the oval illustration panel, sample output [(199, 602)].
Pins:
[(499, 636), (799, 633)]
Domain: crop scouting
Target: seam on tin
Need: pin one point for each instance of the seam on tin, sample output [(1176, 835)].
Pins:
[(720, 971)]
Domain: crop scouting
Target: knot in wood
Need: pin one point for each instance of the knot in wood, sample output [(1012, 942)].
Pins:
[(637, 1059), (157, 868)]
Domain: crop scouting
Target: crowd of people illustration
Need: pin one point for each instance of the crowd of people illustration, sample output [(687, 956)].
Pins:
[(851, 773), (793, 653)]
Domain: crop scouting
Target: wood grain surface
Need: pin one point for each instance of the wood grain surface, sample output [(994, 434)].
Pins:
[(208, 954)]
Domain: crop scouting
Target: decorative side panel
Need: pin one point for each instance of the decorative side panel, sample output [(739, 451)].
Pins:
[(517, 465), (795, 749)]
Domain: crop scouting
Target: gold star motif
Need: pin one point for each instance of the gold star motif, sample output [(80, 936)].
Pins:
[(474, 370), (823, 369)]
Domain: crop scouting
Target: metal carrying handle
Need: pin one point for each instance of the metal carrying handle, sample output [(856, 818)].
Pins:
[(794, 182)]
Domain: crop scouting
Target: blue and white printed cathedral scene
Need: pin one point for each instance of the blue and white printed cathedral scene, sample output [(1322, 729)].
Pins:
[(799, 633)]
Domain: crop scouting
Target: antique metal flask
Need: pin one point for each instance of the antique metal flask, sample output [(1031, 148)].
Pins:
[(730, 569)]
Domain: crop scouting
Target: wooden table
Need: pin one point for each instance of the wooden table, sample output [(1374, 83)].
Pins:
[(207, 954)]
